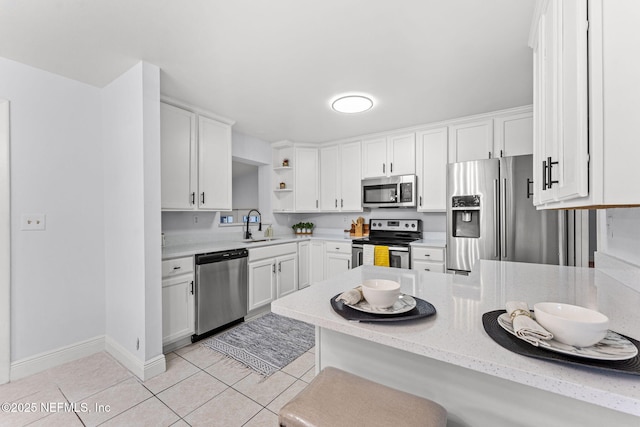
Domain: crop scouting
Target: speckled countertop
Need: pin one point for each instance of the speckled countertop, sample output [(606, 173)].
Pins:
[(456, 335), (192, 248)]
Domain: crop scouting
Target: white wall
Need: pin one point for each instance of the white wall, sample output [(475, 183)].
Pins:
[(131, 135), (619, 234), (57, 293), (245, 190)]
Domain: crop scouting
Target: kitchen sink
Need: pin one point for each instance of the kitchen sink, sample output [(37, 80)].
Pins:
[(259, 240)]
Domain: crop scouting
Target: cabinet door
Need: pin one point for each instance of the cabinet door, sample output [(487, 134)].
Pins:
[(513, 135), (350, 182), (306, 179), (337, 263), (304, 261), (178, 153), (471, 141), (329, 179), (214, 167), (561, 147), (262, 286), (401, 155), (316, 266), (374, 158), (435, 267), (573, 142), (432, 170), (178, 306), (287, 271)]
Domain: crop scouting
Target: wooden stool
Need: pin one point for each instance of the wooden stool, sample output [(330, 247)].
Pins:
[(336, 398)]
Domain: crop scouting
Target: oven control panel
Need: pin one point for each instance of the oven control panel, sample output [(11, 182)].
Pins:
[(394, 224)]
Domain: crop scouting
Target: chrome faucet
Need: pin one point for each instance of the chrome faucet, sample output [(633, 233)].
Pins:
[(247, 234)]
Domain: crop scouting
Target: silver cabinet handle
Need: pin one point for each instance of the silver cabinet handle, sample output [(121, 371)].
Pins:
[(202, 197), (427, 254), (274, 269), (316, 203), (279, 267), (193, 198), (496, 215), (420, 200), (544, 175), (177, 268), (342, 203), (427, 269), (549, 176), (391, 168), (336, 203), (383, 168), (192, 287)]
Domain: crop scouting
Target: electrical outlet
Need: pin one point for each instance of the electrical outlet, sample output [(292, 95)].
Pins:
[(32, 222)]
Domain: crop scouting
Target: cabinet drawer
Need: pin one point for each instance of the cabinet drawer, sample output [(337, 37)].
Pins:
[(338, 247), (272, 251), (436, 267), (427, 254), (174, 267)]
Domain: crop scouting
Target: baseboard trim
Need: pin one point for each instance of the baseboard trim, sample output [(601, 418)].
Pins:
[(43, 361), (142, 370)]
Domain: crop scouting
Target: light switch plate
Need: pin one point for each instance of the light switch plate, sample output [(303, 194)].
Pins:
[(33, 222)]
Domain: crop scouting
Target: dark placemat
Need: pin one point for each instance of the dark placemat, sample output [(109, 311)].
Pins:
[(422, 309), (515, 344)]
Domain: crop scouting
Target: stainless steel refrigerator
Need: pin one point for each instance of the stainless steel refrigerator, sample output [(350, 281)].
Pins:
[(490, 215)]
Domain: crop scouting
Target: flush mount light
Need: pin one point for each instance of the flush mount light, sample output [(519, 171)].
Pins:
[(352, 104)]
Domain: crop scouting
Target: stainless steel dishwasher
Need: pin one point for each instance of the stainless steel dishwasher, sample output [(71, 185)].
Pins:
[(221, 290)]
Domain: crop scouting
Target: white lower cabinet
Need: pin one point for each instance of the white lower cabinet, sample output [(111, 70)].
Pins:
[(427, 258), (316, 261), (178, 299), (337, 258), (273, 273), (304, 264)]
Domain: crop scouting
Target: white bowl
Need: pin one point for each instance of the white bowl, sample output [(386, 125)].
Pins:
[(571, 324), (380, 293)]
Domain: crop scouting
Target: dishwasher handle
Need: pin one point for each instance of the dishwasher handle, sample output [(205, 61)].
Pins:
[(212, 257)]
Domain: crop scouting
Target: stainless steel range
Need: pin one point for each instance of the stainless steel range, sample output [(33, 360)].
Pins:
[(397, 234)]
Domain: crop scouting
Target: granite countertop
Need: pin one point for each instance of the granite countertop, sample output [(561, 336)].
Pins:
[(456, 335)]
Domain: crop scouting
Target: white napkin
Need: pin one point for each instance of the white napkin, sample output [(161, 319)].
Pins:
[(367, 254), (352, 296), (524, 325)]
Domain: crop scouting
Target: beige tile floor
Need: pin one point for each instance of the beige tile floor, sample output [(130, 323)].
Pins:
[(199, 388)]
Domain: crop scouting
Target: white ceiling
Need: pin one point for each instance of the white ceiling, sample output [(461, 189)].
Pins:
[(274, 65)]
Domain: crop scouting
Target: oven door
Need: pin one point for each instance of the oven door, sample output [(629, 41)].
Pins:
[(399, 257)]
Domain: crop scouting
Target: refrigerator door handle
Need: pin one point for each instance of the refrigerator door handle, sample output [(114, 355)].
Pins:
[(503, 220), (496, 214)]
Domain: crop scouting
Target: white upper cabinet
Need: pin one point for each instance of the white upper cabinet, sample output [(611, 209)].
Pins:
[(329, 178), (196, 166), (214, 167), (389, 156), (374, 158), (340, 185), (178, 151), (513, 135), (306, 179), (586, 105), (471, 141), (350, 172), (401, 155), (561, 148), (431, 160)]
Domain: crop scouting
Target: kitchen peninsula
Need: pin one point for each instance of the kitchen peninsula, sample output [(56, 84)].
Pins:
[(449, 357)]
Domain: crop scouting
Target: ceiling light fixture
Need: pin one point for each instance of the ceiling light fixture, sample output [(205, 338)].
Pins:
[(352, 104)]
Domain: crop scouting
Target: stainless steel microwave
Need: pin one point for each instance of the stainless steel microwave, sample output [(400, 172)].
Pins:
[(391, 192)]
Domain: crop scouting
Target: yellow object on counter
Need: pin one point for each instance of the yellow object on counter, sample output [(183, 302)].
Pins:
[(381, 256)]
